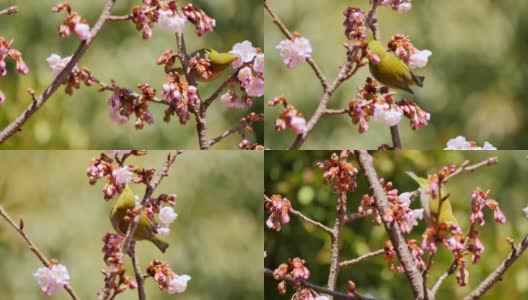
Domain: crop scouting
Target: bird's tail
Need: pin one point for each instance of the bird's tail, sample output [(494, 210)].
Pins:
[(419, 80), (162, 245)]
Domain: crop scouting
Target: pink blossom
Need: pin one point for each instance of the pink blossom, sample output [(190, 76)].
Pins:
[(255, 87), (178, 284), (295, 52), (52, 279), (122, 175), (245, 52), (298, 124), (82, 30), (258, 65)]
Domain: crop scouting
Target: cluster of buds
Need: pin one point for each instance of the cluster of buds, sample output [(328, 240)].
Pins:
[(289, 117), (339, 172), (415, 250), (169, 17), (181, 97), (480, 200), (278, 208), (246, 145), (6, 51), (400, 211), (296, 269), (372, 102), (295, 51), (124, 102), (245, 128), (355, 23), (115, 276), (201, 66), (52, 278), (117, 174), (72, 23), (401, 46), (166, 278), (249, 76), (199, 18)]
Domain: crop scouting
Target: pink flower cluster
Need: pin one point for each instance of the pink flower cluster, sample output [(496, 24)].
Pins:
[(480, 200), (181, 96), (295, 51), (382, 107), (117, 175), (278, 208), (170, 17), (289, 117), (112, 244), (401, 45), (52, 278), (295, 268), (72, 23), (166, 278), (355, 23), (124, 102), (249, 76), (199, 18), (339, 172)]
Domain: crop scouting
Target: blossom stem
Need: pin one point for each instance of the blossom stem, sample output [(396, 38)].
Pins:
[(347, 263), (395, 134)]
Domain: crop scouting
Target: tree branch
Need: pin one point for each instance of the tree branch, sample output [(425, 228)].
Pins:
[(137, 271), (496, 275), (336, 235), (471, 168), (306, 219), (307, 284), (347, 263), (20, 229), (220, 89), (411, 270), (39, 101)]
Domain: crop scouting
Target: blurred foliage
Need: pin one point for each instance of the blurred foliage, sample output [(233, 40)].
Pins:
[(294, 175), (475, 81), (120, 54), (217, 238)]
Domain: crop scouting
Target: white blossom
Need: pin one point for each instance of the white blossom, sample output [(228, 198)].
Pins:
[(52, 280), (57, 64), (178, 284), (245, 52), (167, 215), (295, 52), (388, 115), (122, 175), (171, 21), (419, 59)]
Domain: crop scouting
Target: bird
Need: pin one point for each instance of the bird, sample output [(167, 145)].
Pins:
[(220, 61), (391, 70), (145, 229), (432, 206)]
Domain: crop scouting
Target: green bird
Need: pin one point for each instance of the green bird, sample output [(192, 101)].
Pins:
[(391, 70), (431, 206), (219, 63), (145, 229)]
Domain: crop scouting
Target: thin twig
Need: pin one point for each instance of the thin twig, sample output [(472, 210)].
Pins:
[(220, 89), (307, 284), (360, 258), (20, 229), (306, 219), (354, 216), (471, 168), (396, 237), (395, 135), (137, 271), (39, 101), (496, 275), (331, 112)]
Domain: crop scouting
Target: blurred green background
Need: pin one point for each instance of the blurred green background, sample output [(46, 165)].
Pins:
[(216, 239), (294, 175), (475, 80), (118, 53)]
